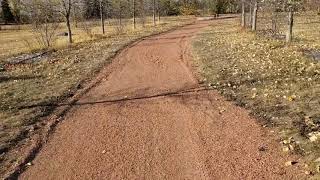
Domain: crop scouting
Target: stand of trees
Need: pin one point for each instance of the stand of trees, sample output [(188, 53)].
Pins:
[(47, 15), (6, 12), (14, 11), (276, 11)]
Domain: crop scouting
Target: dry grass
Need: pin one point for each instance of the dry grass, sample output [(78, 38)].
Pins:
[(278, 83), (29, 90), (17, 39)]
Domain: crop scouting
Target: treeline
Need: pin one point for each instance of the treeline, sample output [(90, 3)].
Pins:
[(47, 15), (274, 11), (20, 11)]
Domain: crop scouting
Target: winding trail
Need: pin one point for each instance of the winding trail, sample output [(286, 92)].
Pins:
[(150, 118)]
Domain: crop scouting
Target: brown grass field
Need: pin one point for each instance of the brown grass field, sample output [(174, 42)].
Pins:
[(279, 83)]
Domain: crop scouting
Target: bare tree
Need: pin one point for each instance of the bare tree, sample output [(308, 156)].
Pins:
[(159, 12), (290, 25), (154, 12), (66, 6), (102, 16), (45, 22), (254, 16), (142, 12), (243, 13), (250, 13), (120, 13), (134, 13)]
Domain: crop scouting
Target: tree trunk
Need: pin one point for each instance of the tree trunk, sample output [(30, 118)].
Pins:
[(120, 13), (159, 15), (290, 26), (142, 12), (254, 16), (154, 12), (243, 14), (250, 14), (69, 29), (102, 16), (134, 13)]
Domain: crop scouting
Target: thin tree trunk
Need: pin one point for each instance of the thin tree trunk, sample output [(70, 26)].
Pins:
[(154, 12), (250, 14), (69, 29), (142, 11), (254, 16), (134, 13), (243, 14), (67, 7), (120, 13), (159, 15), (290, 26), (102, 17)]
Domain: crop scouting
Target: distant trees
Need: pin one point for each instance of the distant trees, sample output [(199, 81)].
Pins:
[(45, 15), (278, 12), (16, 6), (169, 7), (6, 12), (14, 10), (220, 6)]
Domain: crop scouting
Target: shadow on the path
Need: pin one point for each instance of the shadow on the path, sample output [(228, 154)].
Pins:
[(180, 92)]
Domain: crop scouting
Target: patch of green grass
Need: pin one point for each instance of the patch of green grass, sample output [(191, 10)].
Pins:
[(23, 87), (278, 83)]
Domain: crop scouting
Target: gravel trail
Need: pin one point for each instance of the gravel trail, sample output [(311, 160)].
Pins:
[(150, 118)]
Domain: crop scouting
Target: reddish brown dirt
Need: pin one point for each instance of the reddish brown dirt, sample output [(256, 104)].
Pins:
[(135, 125)]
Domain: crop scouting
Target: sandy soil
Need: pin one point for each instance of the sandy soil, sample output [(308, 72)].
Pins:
[(151, 119)]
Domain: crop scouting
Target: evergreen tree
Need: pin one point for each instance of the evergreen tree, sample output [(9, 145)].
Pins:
[(6, 12)]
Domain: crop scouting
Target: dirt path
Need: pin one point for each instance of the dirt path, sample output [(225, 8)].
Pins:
[(151, 119)]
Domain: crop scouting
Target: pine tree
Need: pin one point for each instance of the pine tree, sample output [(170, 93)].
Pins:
[(6, 12)]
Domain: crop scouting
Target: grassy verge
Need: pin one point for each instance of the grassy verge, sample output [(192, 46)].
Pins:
[(52, 79), (278, 83)]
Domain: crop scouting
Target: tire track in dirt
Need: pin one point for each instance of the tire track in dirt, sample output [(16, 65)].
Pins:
[(174, 136)]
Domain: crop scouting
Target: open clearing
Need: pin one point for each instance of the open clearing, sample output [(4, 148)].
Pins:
[(150, 118)]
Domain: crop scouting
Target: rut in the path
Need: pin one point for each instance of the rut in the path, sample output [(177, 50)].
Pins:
[(137, 124)]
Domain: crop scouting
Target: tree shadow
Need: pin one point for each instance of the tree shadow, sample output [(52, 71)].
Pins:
[(177, 93), (15, 78)]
